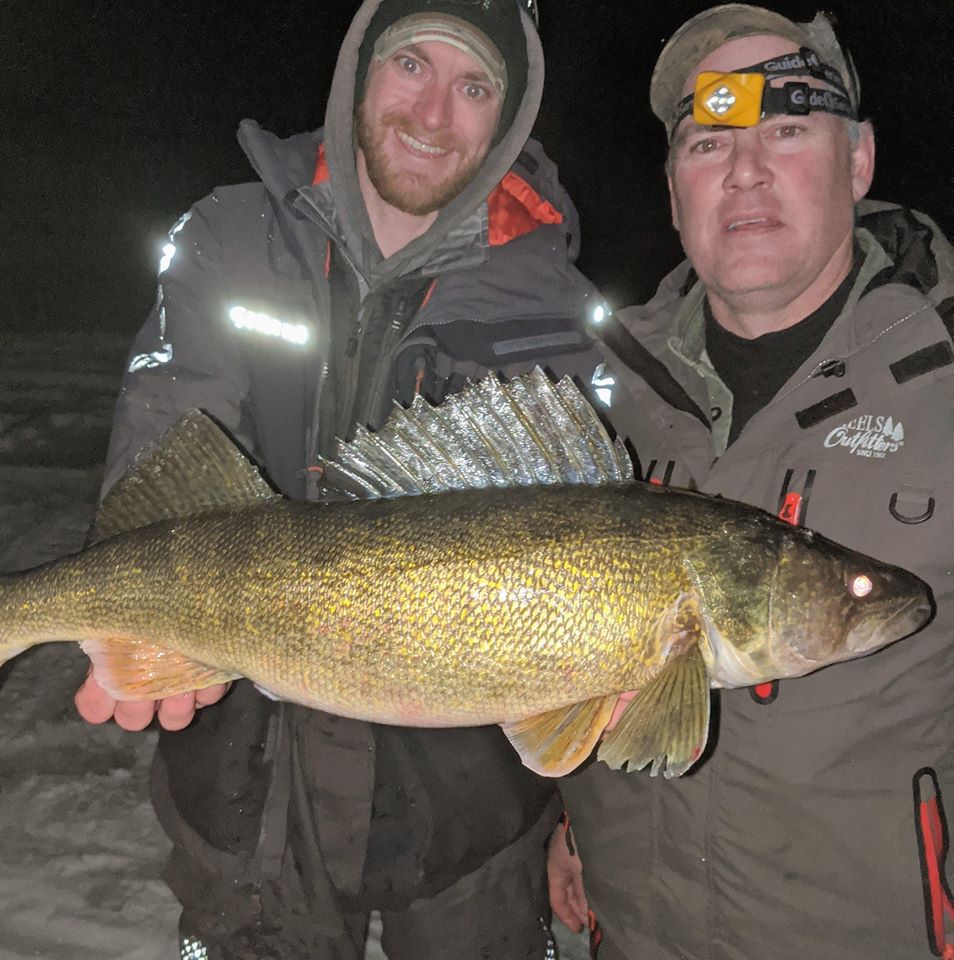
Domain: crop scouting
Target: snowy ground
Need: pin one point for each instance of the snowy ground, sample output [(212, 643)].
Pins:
[(80, 851)]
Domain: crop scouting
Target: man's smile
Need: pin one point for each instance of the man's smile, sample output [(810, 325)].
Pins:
[(419, 147)]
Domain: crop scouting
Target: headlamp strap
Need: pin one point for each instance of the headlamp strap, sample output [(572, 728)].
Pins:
[(795, 98), (805, 61)]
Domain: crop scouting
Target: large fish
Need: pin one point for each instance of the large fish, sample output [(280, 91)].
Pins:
[(545, 585)]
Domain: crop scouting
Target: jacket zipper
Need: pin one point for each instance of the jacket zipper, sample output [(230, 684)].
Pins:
[(384, 365)]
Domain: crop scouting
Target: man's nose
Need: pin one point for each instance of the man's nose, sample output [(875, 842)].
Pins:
[(749, 164), (434, 107)]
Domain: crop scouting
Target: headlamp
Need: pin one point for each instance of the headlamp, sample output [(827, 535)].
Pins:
[(742, 98), (728, 99)]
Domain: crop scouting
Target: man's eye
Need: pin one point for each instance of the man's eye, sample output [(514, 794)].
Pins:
[(475, 91), (408, 63), (704, 146), (788, 130)]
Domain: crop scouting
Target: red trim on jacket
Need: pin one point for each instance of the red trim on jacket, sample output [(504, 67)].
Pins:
[(322, 173), (931, 829), (514, 207)]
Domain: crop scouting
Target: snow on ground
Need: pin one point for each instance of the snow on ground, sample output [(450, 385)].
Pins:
[(80, 850)]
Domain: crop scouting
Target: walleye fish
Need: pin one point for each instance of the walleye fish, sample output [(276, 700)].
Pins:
[(501, 566)]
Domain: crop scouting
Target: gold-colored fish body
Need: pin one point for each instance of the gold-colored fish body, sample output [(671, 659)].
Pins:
[(462, 608), (533, 601)]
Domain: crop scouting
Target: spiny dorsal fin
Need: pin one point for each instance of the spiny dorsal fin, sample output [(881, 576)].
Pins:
[(491, 434), (194, 467)]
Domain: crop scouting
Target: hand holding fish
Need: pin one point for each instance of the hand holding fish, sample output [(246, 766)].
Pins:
[(565, 879), (95, 705), (621, 704)]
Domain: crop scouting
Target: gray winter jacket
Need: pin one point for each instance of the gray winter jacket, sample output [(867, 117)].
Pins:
[(278, 316), (801, 835)]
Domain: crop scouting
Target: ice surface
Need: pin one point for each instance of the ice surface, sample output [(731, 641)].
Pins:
[(80, 850)]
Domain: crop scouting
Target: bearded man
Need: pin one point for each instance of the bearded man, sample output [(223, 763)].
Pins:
[(417, 240)]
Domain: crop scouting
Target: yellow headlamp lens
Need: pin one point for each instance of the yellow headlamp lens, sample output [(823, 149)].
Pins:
[(728, 99)]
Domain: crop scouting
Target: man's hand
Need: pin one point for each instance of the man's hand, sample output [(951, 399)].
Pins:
[(95, 705), (565, 879), (619, 709)]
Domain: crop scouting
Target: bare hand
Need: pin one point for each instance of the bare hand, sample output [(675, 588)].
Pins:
[(565, 879), (619, 709), (95, 705)]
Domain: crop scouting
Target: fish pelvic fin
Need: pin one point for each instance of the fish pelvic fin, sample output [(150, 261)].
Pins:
[(554, 743), (128, 668), (194, 467), (667, 723), (491, 434)]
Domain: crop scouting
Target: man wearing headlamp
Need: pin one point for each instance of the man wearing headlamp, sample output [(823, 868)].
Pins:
[(800, 360)]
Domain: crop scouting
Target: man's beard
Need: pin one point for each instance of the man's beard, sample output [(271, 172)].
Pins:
[(408, 192)]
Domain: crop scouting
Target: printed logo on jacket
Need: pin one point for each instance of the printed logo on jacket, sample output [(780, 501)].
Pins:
[(871, 436)]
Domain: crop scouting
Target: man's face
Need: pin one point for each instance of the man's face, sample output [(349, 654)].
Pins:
[(425, 125), (763, 212)]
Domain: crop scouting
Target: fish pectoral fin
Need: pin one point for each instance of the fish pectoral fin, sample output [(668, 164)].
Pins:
[(554, 743), (128, 668), (667, 723)]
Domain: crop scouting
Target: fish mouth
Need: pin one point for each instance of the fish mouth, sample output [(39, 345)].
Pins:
[(907, 619)]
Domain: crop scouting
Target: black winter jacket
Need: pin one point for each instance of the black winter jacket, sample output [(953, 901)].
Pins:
[(277, 315)]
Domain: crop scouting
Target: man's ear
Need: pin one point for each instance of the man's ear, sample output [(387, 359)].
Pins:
[(673, 207), (862, 160)]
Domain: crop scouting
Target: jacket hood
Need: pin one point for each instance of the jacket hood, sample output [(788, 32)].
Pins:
[(339, 146), (920, 255)]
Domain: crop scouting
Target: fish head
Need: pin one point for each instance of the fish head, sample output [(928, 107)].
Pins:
[(781, 601), (831, 603)]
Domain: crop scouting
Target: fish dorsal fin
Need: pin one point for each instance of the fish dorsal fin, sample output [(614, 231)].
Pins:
[(491, 434), (194, 467)]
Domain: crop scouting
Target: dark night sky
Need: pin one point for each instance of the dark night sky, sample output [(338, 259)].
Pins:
[(115, 115)]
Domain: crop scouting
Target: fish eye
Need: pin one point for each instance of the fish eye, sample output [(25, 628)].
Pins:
[(860, 586)]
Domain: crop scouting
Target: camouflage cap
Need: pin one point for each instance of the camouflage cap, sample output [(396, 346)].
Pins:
[(707, 31), (445, 28)]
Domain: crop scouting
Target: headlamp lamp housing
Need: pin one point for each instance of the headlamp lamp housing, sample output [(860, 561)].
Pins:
[(728, 99)]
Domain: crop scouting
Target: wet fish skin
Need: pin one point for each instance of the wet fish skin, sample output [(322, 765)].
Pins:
[(532, 606), (461, 608)]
